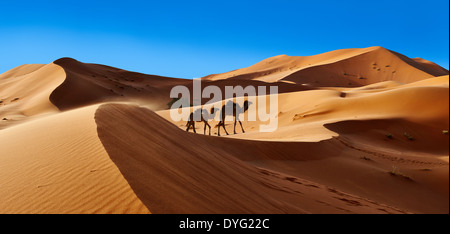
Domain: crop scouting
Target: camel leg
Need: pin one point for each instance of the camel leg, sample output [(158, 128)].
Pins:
[(190, 122), (223, 124), (193, 126), (188, 126), (235, 121), (241, 127), (204, 128), (209, 126)]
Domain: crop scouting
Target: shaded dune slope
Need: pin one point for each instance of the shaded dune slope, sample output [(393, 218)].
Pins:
[(92, 83), (433, 68), (393, 135)]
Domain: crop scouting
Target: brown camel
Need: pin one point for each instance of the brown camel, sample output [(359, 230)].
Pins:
[(236, 110), (204, 117)]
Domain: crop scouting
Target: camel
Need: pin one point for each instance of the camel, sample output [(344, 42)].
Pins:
[(236, 111), (204, 117)]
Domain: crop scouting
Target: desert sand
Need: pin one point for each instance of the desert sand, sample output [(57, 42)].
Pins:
[(359, 131)]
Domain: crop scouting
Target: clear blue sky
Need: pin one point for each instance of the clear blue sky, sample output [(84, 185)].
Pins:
[(189, 39)]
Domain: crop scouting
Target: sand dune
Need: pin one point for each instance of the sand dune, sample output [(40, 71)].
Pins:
[(177, 172), (302, 115), (381, 130), (74, 171), (341, 68), (359, 131)]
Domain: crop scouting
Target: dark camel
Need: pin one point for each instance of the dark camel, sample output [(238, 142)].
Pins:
[(204, 117), (236, 111)]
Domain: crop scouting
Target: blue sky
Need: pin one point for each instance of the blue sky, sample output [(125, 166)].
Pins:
[(189, 39)]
